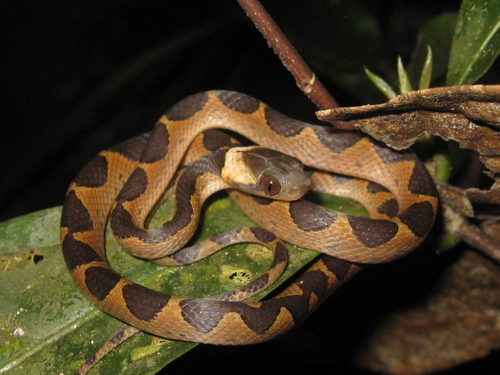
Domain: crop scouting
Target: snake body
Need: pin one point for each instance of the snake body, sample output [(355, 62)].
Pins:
[(125, 183)]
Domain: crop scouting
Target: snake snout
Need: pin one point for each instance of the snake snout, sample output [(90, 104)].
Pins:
[(295, 185)]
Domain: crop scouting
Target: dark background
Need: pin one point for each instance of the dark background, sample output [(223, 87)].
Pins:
[(77, 77)]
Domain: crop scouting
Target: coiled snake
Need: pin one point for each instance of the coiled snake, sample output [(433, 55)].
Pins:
[(127, 181)]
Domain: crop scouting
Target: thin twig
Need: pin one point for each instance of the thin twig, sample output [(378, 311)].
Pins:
[(304, 77), (457, 210), (478, 239)]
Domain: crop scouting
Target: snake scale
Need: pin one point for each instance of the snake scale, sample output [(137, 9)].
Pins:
[(125, 183)]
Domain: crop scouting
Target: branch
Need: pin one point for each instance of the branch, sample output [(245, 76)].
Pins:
[(305, 78)]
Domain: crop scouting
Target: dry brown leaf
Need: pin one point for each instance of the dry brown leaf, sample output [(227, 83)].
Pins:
[(455, 198), (484, 196), (459, 322), (468, 114)]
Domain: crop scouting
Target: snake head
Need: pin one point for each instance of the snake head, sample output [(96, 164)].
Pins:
[(265, 172)]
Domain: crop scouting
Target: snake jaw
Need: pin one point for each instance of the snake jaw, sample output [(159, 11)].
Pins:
[(297, 184)]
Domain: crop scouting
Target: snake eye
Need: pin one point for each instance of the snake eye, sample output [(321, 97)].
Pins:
[(270, 185)]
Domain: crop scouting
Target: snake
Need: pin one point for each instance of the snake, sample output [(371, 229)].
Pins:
[(125, 183)]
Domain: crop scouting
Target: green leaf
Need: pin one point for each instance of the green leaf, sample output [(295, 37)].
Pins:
[(381, 84), (476, 43), (443, 167), (49, 327), (404, 81), (425, 77)]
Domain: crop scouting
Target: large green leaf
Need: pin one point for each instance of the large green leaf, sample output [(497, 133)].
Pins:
[(48, 327), (476, 43)]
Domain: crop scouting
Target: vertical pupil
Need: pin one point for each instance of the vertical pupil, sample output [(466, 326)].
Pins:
[(270, 185)]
